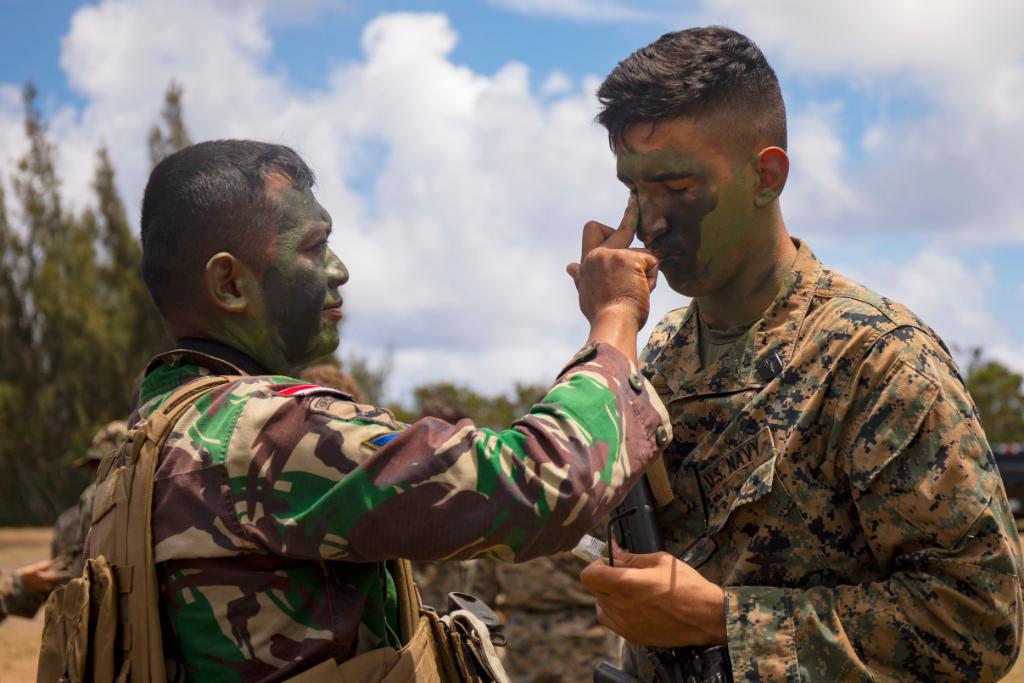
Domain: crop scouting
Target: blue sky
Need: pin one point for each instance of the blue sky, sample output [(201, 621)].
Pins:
[(456, 150)]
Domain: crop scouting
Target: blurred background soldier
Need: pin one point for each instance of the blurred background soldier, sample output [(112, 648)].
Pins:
[(23, 591), (72, 526)]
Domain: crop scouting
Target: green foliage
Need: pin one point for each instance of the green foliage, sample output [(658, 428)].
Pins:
[(173, 135), (76, 327), (999, 395), (371, 377)]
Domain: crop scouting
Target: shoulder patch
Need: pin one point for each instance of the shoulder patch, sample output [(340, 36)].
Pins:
[(378, 441), (310, 390)]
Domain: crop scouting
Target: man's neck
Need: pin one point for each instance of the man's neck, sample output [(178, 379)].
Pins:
[(754, 288)]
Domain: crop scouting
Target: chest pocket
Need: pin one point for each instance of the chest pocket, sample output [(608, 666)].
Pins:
[(737, 478)]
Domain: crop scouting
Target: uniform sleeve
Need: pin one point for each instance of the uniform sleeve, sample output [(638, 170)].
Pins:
[(936, 519), (15, 600), (314, 476)]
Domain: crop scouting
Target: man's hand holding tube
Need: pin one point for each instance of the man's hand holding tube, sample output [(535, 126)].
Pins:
[(614, 282)]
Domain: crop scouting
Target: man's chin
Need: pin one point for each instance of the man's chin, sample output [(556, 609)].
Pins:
[(324, 345), (682, 285)]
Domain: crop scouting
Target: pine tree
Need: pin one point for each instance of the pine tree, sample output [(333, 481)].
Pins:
[(54, 272), (76, 327), (174, 135)]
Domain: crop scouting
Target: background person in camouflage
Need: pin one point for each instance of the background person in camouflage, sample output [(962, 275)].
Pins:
[(72, 526), (276, 502), (833, 486), (23, 591)]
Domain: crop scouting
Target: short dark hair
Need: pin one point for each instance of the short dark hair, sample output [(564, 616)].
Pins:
[(210, 197), (694, 72)]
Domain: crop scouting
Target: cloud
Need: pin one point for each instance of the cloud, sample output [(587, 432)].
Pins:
[(939, 91), (921, 38), (555, 84), (457, 197), (952, 297), (586, 10)]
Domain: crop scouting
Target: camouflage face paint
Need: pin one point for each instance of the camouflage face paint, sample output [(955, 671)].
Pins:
[(694, 206), (300, 299)]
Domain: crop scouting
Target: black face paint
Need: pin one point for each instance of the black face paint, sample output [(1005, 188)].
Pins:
[(293, 310)]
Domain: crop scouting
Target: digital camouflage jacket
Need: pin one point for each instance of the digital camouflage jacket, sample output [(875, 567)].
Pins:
[(276, 502), (836, 461)]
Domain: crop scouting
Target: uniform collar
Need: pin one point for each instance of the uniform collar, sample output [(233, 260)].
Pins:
[(758, 357), (212, 355)]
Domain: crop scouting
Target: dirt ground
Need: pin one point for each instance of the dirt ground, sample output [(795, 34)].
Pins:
[(19, 638)]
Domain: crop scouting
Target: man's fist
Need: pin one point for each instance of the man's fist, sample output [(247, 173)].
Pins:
[(610, 277)]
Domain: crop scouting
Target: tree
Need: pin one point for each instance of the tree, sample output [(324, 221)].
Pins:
[(174, 135), (997, 391), (76, 327), (55, 275)]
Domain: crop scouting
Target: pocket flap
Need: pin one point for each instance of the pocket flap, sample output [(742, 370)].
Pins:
[(893, 418), (106, 494), (741, 476)]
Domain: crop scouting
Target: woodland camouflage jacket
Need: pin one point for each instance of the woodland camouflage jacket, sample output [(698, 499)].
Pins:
[(836, 461), (275, 504)]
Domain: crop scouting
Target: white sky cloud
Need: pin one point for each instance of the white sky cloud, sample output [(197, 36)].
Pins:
[(947, 294), (481, 189), (478, 185), (588, 10)]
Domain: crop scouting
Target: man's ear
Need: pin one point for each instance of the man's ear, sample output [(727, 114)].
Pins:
[(229, 284), (772, 169)]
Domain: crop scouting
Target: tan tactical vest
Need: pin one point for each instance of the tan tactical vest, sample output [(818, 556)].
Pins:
[(105, 625)]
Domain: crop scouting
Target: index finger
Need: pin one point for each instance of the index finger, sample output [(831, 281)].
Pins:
[(623, 235)]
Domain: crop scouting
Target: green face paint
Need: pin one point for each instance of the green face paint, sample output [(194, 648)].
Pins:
[(695, 207), (300, 301)]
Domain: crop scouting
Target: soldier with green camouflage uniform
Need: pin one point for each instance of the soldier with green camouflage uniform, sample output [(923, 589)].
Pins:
[(554, 635), (831, 487), (276, 503), (72, 526)]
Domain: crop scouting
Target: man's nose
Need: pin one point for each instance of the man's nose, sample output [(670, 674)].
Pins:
[(337, 273), (652, 222)]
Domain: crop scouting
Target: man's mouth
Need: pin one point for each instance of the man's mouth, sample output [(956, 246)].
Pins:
[(332, 311)]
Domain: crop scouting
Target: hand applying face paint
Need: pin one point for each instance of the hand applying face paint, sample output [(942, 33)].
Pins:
[(614, 282)]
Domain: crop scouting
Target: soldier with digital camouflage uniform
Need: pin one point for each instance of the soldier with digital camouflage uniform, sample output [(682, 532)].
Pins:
[(276, 503), (829, 483), (72, 526)]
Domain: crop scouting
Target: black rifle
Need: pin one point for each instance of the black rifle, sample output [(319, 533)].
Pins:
[(635, 527)]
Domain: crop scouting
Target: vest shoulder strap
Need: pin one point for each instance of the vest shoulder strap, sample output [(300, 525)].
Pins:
[(123, 533)]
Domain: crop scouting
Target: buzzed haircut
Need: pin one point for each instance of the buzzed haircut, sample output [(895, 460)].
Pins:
[(207, 198), (694, 73)]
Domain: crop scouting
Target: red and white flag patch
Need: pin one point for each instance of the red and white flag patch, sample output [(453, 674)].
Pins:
[(309, 390)]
